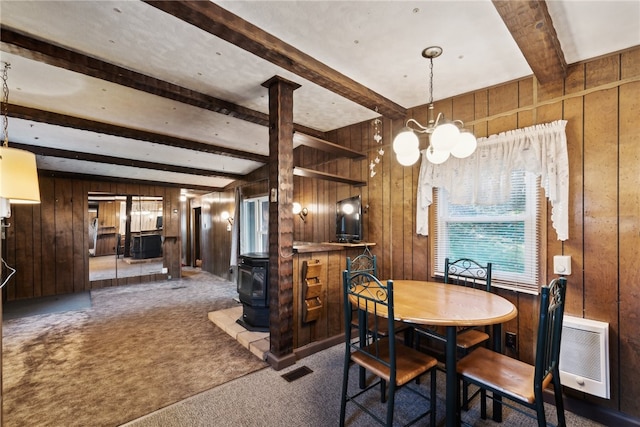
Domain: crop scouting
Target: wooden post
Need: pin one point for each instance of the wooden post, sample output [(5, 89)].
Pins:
[(280, 221)]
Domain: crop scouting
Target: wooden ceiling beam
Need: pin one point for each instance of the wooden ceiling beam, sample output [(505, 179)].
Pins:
[(41, 51), (120, 161), (218, 21), (530, 25), (125, 180), (57, 119)]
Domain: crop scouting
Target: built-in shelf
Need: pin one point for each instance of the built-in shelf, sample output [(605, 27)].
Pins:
[(310, 173), (326, 146)]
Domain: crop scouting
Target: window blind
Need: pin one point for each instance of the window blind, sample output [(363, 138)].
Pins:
[(505, 234)]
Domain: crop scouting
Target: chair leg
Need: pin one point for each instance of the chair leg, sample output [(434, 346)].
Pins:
[(363, 377), (557, 391), (383, 391), (408, 337), (542, 420), (465, 396), (432, 398), (345, 382), (390, 404), (483, 404)]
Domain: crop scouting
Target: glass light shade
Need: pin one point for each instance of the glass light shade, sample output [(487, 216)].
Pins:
[(408, 159), (445, 136), (466, 145), (437, 156), (406, 141), (224, 215), (18, 176), (296, 208)]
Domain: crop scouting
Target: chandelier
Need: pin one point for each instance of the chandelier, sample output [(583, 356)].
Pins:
[(446, 138)]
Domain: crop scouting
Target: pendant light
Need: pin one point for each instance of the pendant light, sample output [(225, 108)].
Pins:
[(446, 138)]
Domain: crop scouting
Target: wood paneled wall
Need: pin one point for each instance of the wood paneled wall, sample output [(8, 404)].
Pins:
[(48, 244), (215, 238), (600, 99)]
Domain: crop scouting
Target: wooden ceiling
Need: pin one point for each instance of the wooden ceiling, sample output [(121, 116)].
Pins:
[(528, 22)]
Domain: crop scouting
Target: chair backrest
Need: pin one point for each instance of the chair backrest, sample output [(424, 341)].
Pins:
[(552, 301), (363, 263), (467, 272), (365, 294)]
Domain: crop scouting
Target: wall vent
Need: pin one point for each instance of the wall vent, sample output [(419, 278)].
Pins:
[(584, 356)]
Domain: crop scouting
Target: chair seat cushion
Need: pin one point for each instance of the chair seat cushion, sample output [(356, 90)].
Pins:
[(470, 338), (410, 363), (507, 375), (465, 339)]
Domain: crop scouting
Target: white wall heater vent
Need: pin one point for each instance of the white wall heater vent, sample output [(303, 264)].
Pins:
[(584, 356)]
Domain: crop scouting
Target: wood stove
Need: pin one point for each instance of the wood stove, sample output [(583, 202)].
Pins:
[(253, 290)]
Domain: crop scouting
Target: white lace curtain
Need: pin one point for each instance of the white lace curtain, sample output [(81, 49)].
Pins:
[(540, 149)]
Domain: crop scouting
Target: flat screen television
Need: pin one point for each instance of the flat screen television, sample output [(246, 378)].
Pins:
[(349, 220)]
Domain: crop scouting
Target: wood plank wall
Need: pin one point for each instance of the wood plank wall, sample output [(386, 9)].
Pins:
[(215, 238), (600, 99), (48, 243)]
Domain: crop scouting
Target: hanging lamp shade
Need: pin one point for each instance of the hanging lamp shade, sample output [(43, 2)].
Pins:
[(18, 176), (408, 158), (466, 145), (445, 136), (437, 156), (406, 141)]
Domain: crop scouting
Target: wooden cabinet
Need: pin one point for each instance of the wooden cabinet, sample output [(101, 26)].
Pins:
[(318, 308)]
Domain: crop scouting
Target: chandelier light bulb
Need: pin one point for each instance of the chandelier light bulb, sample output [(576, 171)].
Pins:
[(437, 156), (406, 141), (408, 159), (445, 136), (466, 145)]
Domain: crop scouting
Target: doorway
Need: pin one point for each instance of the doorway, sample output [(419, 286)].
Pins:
[(195, 237)]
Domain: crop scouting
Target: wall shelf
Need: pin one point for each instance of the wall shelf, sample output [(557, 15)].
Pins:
[(326, 146), (310, 173)]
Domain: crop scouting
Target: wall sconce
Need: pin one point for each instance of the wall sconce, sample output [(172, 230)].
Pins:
[(224, 215), (299, 210)]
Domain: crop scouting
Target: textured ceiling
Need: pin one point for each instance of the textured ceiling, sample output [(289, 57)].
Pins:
[(377, 44)]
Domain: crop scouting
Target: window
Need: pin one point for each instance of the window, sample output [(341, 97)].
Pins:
[(254, 229), (504, 234)]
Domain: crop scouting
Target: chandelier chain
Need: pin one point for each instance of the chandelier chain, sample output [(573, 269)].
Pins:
[(5, 104), (430, 80)]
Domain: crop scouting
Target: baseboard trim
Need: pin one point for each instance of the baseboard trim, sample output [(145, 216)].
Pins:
[(599, 414), (280, 362), (316, 346)]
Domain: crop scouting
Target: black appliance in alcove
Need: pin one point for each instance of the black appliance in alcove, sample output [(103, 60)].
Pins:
[(253, 290)]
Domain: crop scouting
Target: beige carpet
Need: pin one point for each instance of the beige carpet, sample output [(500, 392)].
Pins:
[(137, 349)]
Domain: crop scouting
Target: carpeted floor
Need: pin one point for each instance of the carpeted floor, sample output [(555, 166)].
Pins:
[(136, 349), (43, 305), (266, 399)]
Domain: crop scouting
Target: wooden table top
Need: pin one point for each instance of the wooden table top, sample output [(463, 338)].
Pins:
[(435, 303)]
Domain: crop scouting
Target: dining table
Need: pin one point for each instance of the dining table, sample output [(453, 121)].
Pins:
[(439, 304)]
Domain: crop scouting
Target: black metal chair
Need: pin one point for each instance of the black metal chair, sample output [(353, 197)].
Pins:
[(368, 263), (520, 382), (469, 273), (393, 363)]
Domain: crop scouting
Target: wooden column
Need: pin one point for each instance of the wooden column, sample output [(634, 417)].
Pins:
[(280, 221)]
